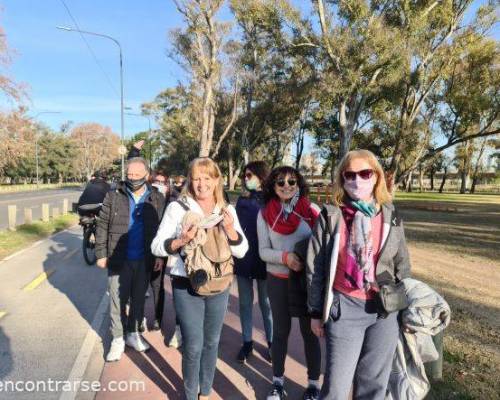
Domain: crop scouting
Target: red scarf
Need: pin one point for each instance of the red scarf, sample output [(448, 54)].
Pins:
[(273, 215)]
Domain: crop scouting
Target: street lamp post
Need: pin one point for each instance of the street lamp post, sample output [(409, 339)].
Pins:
[(36, 142), (122, 134), (149, 132)]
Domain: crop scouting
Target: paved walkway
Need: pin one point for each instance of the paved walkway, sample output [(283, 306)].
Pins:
[(160, 367)]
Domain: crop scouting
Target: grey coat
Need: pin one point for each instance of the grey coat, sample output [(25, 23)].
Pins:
[(322, 255), (427, 315)]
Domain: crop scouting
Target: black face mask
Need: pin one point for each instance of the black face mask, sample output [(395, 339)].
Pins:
[(135, 184)]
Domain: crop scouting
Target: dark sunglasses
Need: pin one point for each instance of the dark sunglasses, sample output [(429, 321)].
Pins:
[(363, 174), (291, 182)]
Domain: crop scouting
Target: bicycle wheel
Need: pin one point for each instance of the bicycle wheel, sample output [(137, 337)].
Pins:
[(88, 245)]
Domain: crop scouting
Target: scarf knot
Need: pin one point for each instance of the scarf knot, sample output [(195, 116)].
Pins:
[(286, 218)]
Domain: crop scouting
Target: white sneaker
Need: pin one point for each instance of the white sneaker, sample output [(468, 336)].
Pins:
[(116, 350), (135, 340), (176, 340)]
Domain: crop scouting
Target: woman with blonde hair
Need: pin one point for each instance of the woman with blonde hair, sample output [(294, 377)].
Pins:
[(356, 260), (201, 316)]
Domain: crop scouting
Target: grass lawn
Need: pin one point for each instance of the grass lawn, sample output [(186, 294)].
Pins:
[(32, 187), (27, 234), (449, 197)]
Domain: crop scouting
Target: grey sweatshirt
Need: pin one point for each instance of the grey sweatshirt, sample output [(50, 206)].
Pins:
[(272, 244)]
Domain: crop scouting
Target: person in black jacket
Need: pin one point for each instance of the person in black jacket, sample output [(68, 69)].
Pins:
[(251, 268), (95, 191), (126, 226)]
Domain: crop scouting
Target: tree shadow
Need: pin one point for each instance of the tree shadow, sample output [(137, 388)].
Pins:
[(474, 229)]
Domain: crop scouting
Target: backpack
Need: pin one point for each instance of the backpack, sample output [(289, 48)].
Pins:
[(208, 261)]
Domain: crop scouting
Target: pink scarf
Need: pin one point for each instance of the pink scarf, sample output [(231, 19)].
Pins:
[(360, 253)]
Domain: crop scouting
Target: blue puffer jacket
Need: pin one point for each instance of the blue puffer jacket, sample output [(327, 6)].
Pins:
[(247, 209)]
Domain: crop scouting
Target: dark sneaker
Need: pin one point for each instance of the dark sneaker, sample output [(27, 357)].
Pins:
[(276, 393), (245, 352), (311, 393)]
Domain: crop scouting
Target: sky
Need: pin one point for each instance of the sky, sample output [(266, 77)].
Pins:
[(61, 73)]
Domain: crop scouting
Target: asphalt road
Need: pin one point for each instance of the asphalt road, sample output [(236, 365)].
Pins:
[(50, 331), (34, 200)]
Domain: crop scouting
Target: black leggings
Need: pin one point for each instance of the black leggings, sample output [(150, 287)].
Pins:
[(282, 322)]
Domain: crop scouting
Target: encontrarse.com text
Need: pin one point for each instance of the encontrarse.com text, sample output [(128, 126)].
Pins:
[(52, 385)]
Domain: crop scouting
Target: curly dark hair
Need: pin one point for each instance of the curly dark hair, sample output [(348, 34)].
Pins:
[(268, 186), (258, 168)]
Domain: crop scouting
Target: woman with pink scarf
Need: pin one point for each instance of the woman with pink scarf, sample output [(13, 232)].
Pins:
[(356, 260)]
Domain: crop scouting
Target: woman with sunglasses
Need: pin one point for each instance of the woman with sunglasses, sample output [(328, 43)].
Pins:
[(251, 268), (286, 222), (358, 246)]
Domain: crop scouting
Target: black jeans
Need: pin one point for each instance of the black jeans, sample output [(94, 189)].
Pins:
[(158, 286), (282, 322)]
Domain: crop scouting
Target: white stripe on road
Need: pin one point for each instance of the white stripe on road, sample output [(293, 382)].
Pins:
[(82, 360)]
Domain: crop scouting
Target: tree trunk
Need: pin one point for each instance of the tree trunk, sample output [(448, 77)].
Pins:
[(409, 178), (421, 178), (346, 131), (207, 129), (443, 181), (432, 172), (473, 186), (464, 180)]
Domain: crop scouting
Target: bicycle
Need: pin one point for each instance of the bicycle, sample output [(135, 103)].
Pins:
[(88, 214)]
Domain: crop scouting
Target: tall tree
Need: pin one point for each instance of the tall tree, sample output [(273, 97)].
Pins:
[(199, 46), (97, 148)]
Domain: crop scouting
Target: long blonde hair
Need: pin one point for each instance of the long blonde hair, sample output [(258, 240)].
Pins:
[(208, 166), (380, 192)]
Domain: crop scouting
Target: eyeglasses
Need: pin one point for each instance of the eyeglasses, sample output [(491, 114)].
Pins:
[(291, 182), (364, 174), (159, 182)]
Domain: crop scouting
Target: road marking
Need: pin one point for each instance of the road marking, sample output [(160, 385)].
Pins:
[(3, 314), (70, 254), (38, 280), (82, 360)]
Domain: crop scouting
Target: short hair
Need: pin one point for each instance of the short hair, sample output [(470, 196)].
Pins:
[(380, 192), (138, 160), (258, 168), (210, 167), (268, 187)]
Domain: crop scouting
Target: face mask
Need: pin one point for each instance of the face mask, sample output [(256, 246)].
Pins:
[(135, 184), (161, 188), (359, 189), (252, 184)]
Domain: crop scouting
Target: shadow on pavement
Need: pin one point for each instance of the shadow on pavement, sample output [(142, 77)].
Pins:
[(67, 272), (6, 363)]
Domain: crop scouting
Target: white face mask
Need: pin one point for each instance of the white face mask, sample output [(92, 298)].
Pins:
[(161, 188)]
